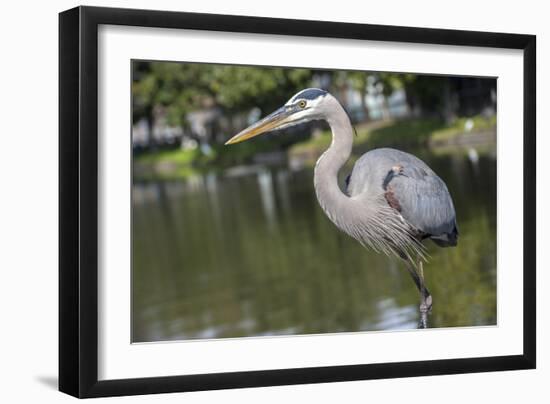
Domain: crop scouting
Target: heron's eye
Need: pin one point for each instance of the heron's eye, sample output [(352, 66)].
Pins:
[(302, 104)]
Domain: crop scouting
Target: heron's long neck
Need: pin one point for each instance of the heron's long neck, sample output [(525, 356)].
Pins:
[(330, 196)]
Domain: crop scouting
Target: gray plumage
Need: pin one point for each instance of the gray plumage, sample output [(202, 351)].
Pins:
[(422, 198), (394, 200)]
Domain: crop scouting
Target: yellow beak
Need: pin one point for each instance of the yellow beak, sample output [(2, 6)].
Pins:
[(270, 122)]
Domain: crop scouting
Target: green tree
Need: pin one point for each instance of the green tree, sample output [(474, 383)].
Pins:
[(240, 88), (177, 88), (359, 81), (180, 88)]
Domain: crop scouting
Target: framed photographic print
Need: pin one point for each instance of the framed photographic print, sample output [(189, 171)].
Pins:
[(251, 201)]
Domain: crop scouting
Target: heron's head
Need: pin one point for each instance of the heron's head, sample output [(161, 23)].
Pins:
[(304, 106)]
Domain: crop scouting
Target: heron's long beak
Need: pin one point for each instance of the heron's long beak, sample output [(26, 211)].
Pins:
[(270, 122)]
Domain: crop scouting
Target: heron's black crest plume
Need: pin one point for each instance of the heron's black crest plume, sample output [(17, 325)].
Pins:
[(309, 94)]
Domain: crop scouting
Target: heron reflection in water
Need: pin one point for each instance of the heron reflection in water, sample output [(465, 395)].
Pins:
[(392, 202)]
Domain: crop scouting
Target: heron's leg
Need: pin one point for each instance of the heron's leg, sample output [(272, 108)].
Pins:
[(418, 279), (426, 302), (425, 296)]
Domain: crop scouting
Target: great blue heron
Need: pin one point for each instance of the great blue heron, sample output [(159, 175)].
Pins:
[(393, 200)]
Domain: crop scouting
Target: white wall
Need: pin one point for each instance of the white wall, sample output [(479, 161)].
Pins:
[(28, 199)]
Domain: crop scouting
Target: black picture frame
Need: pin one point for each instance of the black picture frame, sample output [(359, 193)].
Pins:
[(78, 201)]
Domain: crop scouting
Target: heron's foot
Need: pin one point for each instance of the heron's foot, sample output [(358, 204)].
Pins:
[(426, 304), (425, 309)]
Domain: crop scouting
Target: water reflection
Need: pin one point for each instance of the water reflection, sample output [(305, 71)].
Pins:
[(250, 252)]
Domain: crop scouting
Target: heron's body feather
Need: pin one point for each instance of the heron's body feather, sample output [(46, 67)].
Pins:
[(411, 187), (365, 216)]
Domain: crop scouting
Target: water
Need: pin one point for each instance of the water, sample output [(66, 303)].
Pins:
[(249, 252)]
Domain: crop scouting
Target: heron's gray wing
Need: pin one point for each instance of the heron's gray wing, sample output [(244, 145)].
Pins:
[(423, 200), (410, 187)]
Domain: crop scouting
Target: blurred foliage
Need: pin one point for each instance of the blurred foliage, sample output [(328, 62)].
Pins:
[(185, 87), (240, 88), (168, 93), (181, 88), (461, 125), (407, 133)]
